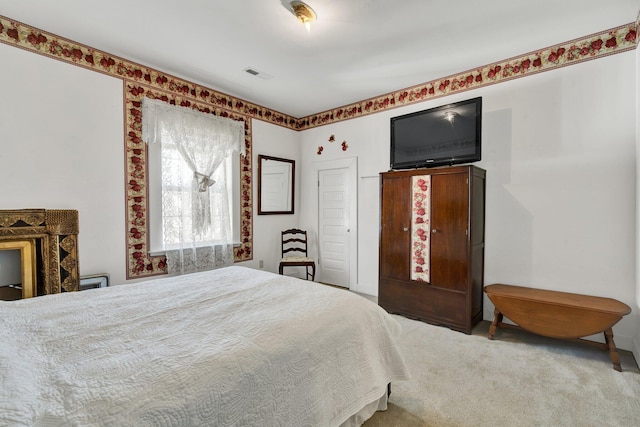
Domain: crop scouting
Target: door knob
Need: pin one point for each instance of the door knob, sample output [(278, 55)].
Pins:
[(405, 229)]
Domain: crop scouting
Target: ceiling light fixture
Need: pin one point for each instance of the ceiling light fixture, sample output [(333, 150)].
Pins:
[(303, 12)]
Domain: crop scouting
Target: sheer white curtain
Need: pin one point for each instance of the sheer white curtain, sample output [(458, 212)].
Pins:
[(196, 223)]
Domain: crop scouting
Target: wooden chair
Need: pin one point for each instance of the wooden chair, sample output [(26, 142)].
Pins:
[(294, 252)]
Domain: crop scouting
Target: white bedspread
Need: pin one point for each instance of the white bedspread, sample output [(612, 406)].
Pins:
[(230, 347)]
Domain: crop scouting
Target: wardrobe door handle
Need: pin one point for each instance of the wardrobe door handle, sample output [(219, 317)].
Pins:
[(405, 229)]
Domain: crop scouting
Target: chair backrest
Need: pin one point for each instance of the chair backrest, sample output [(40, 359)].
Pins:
[(294, 242)]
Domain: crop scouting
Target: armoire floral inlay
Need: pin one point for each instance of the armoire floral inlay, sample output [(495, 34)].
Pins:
[(420, 227)]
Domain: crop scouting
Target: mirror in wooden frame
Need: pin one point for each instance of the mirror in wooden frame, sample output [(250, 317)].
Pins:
[(276, 184)]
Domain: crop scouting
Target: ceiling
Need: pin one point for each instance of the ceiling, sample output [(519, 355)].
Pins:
[(357, 49)]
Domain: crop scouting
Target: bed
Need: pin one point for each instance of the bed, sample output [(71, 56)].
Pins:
[(229, 347)]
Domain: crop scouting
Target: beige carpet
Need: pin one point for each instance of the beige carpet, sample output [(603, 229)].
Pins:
[(518, 379)]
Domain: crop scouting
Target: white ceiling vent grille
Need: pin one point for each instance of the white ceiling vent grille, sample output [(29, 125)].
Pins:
[(258, 73)]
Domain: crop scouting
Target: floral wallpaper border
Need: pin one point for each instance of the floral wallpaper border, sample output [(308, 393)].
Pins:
[(609, 42), (140, 81), (140, 263), (15, 33)]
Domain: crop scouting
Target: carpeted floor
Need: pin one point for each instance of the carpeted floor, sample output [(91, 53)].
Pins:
[(518, 379)]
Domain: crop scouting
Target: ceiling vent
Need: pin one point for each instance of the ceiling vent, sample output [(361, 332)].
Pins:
[(257, 73)]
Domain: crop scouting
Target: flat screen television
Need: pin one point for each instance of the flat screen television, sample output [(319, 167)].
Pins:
[(445, 135)]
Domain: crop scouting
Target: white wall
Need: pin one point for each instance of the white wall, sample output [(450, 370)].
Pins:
[(276, 141), (62, 147), (559, 150), (368, 140), (636, 340)]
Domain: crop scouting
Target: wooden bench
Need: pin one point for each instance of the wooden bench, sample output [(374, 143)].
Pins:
[(557, 314)]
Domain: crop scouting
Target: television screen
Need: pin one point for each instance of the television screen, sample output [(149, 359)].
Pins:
[(445, 135)]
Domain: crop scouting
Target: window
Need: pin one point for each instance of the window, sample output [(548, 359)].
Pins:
[(193, 185), (212, 226)]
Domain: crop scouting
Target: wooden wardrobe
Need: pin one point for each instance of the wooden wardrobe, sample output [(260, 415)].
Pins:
[(431, 264)]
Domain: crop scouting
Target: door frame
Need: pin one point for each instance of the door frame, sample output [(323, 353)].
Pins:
[(351, 164)]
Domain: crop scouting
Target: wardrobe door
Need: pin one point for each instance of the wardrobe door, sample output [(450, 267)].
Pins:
[(449, 233), (395, 227)]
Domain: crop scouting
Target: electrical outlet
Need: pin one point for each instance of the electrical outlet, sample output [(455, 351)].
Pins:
[(261, 263)]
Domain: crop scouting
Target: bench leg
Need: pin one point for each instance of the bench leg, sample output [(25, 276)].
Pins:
[(615, 357), (497, 319)]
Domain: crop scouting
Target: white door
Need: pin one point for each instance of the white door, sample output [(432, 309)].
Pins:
[(333, 234)]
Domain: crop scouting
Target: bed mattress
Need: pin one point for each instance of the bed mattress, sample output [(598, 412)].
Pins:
[(229, 347)]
